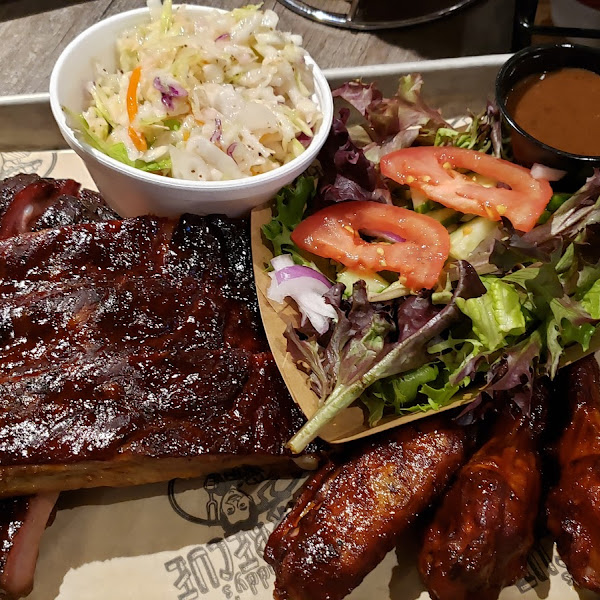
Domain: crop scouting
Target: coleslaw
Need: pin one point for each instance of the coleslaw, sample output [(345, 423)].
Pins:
[(211, 96)]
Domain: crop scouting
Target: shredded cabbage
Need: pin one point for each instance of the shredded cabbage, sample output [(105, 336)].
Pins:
[(220, 96)]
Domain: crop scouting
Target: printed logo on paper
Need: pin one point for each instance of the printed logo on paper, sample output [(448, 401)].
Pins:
[(543, 563), (243, 506), (12, 163)]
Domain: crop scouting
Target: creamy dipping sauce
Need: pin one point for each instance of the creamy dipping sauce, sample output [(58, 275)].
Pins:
[(560, 109)]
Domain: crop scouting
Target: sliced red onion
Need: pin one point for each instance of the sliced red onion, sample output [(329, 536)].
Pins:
[(223, 36), (296, 288), (231, 149), (308, 295), (304, 139), (217, 134), (539, 171), (387, 236), (168, 92), (282, 261), (300, 271), (306, 287)]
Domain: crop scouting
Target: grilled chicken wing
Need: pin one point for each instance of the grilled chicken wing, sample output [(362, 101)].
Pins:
[(350, 514), (574, 504), (481, 534)]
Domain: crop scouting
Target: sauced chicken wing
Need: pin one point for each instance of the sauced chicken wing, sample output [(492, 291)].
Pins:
[(352, 513), (481, 534), (574, 504)]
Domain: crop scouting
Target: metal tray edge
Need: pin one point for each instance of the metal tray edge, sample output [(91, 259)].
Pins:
[(27, 124), (421, 66)]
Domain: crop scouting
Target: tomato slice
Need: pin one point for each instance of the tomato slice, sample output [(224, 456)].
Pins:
[(432, 171), (334, 232)]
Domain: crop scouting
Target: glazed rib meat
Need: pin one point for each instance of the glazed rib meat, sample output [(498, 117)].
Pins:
[(30, 203), (573, 506), (480, 536), (352, 512), (131, 350)]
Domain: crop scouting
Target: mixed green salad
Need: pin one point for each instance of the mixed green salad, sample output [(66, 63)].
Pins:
[(519, 274)]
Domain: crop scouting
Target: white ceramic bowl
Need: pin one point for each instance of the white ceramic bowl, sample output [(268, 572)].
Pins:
[(132, 192)]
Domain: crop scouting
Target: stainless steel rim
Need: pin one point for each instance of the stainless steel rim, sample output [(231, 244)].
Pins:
[(347, 21)]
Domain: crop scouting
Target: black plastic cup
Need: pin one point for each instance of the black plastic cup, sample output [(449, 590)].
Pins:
[(528, 150)]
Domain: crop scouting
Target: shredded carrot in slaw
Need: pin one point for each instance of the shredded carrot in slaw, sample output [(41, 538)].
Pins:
[(132, 105), (139, 141)]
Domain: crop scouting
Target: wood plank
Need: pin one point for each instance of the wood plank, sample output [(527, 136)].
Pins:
[(34, 32)]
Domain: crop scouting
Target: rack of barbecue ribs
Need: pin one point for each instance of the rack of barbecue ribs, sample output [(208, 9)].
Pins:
[(131, 351), (479, 538), (573, 506), (353, 511)]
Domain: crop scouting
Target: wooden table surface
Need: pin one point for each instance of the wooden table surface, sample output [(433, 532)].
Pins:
[(33, 33)]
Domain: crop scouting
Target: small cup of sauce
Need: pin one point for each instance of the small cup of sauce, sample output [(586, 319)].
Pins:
[(549, 97)]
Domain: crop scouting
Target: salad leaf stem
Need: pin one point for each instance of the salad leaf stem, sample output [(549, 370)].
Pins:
[(341, 397)]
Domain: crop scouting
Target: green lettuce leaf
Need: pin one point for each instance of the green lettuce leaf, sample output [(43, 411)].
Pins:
[(568, 323), (442, 396), (495, 315), (591, 300), (290, 204), (395, 393), (586, 278), (117, 151)]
